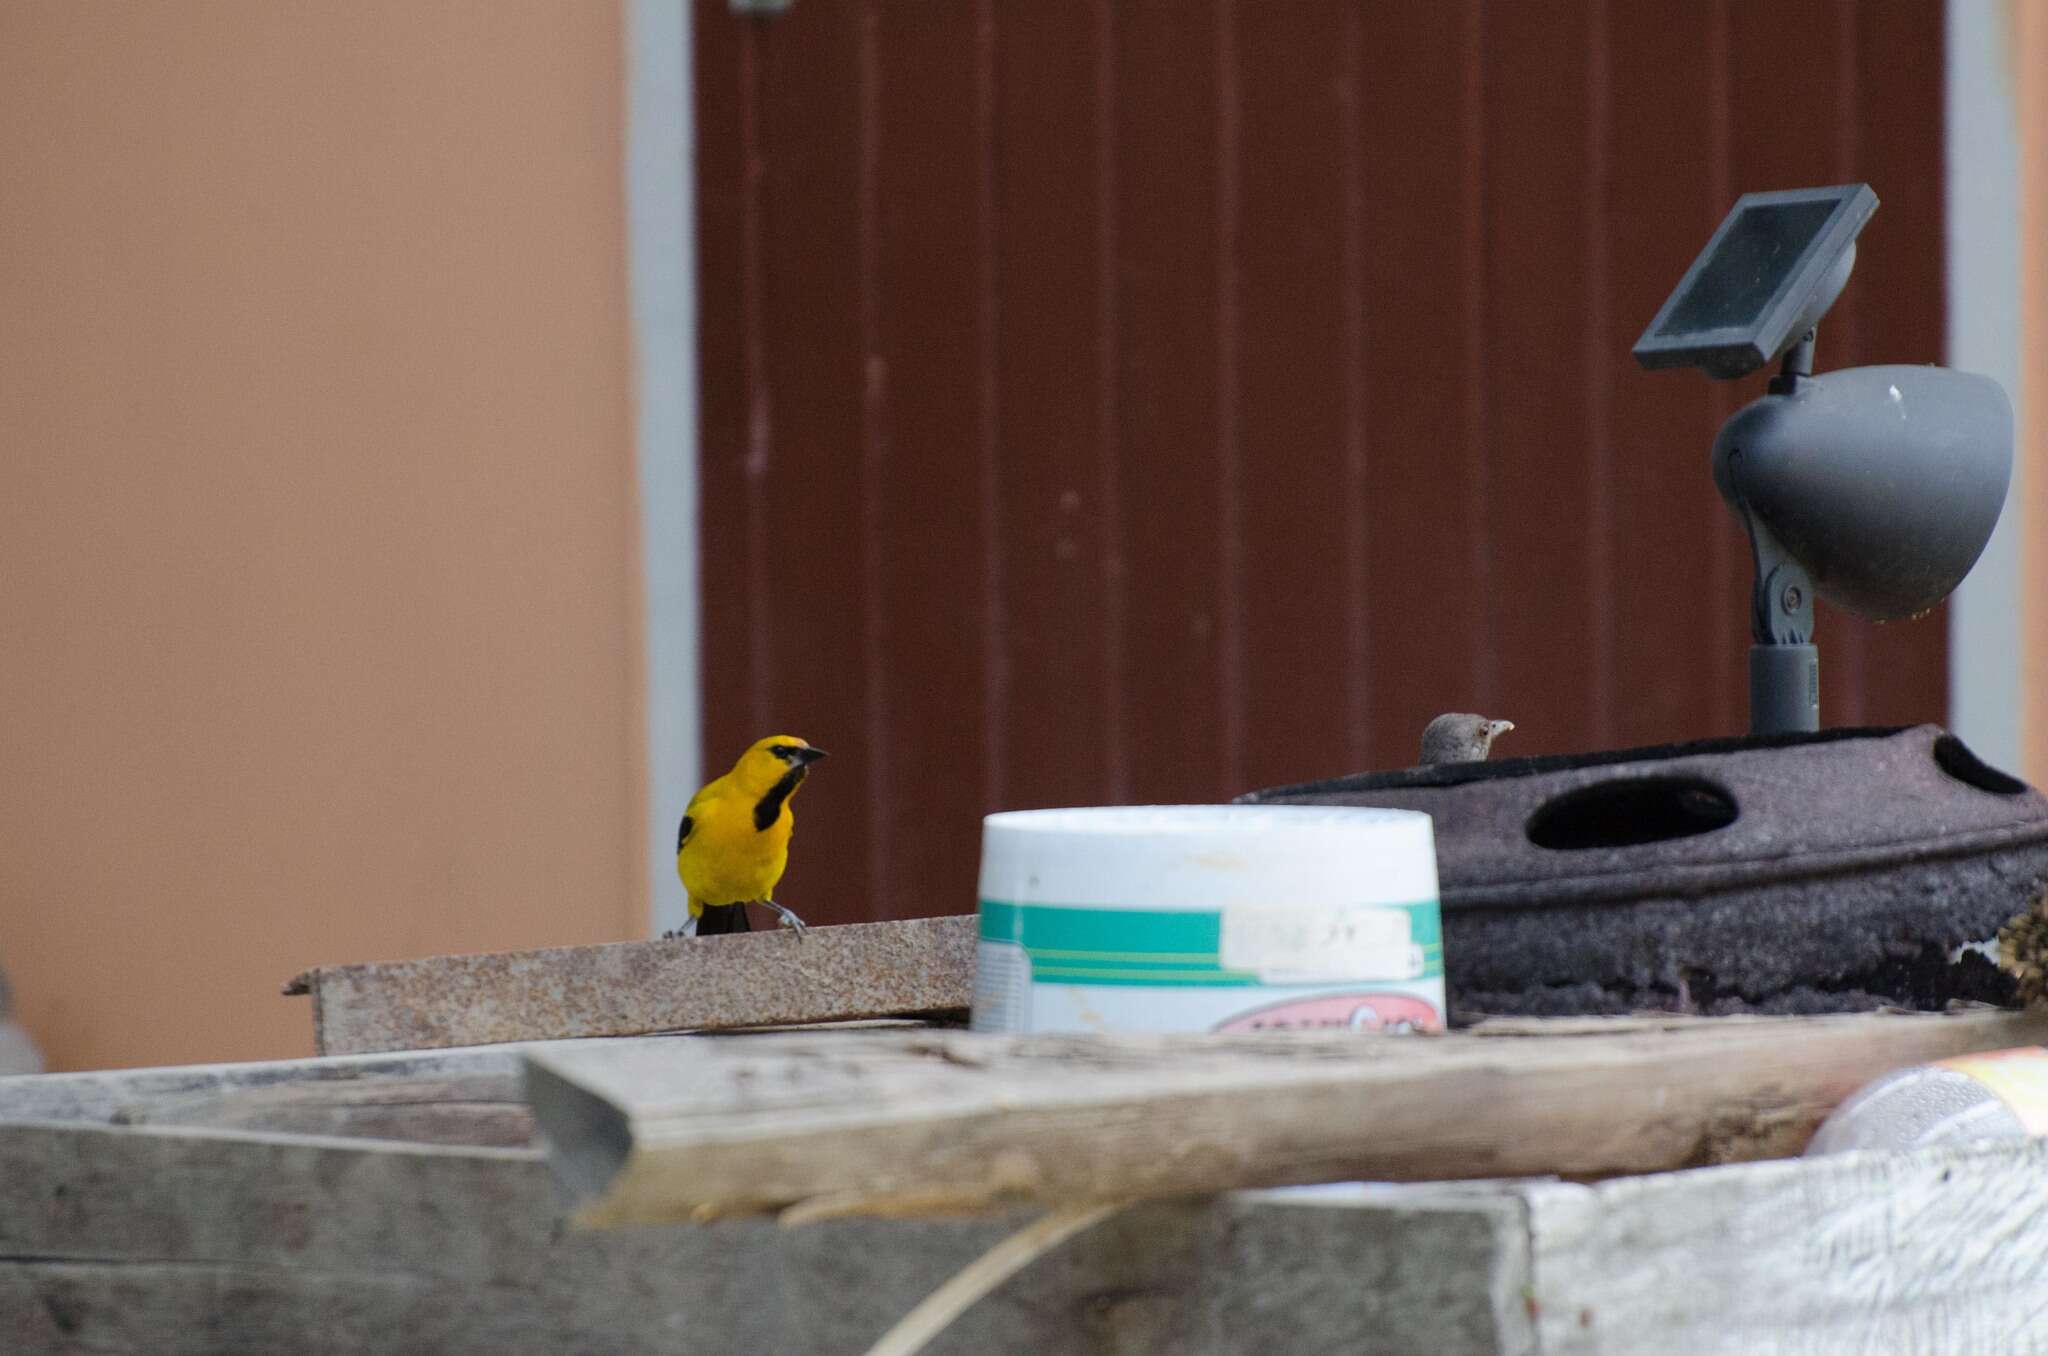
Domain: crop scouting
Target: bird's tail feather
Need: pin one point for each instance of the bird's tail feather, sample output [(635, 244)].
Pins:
[(719, 918)]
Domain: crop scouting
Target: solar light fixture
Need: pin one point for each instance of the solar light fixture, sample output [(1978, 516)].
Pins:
[(1873, 487)]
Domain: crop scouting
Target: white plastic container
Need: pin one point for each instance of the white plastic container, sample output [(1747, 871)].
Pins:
[(1209, 918)]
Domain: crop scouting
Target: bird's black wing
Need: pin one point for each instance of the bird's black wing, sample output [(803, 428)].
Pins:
[(683, 832)]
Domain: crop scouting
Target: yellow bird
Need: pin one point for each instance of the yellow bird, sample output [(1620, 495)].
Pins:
[(734, 840)]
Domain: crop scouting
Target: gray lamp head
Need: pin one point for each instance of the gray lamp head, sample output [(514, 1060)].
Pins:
[(1884, 482)]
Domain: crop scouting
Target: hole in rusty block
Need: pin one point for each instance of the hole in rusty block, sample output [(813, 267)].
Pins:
[(1955, 758), (1631, 811)]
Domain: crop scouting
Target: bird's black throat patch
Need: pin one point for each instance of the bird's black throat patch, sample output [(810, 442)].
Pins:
[(770, 805)]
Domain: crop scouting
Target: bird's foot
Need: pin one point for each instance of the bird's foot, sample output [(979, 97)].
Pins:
[(789, 920)]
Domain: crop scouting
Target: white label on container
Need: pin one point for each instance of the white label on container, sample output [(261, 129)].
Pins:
[(1308, 943)]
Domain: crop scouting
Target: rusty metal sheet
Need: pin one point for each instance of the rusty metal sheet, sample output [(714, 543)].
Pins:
[(629, 988)]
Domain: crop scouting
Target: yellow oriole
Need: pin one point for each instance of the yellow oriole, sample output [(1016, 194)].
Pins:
[(734, 840)]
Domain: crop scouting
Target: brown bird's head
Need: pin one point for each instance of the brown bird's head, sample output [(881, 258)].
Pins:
[(770, 760), (1461, 737)]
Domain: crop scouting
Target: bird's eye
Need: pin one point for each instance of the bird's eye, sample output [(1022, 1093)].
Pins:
[(784, 751)]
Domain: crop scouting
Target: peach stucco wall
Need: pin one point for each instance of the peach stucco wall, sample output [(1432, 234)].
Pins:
[(318, 581)]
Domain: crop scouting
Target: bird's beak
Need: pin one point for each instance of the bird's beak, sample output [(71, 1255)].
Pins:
[(809, 755), (1497, 728)]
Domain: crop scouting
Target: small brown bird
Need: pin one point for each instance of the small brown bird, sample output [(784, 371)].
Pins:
[(1461, 737)]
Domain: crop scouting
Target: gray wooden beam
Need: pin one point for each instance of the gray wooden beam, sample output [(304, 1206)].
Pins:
[(860, 970), (171, 1241)]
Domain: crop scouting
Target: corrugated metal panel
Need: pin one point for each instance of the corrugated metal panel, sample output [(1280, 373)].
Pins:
[(1114, 400)]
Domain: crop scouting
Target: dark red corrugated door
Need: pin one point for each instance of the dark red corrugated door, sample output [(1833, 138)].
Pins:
[(1112, 400)]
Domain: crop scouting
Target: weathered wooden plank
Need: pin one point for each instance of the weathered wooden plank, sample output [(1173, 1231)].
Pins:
[(860, 970), (1935, 1253), (172, 1241), (939, 1121), (484, 1109), (469, 1096)]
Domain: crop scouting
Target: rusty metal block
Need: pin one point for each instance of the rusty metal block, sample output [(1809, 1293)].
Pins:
[(1804, 873)]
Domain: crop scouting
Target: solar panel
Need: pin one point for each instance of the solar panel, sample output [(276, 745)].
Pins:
[(1773, 264)]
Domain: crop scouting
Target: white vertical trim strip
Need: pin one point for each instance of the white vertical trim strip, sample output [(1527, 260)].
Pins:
[(1984, 335), (662, 261)]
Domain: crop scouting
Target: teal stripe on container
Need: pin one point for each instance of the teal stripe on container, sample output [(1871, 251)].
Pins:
[(1426, 930), (1078, 945), (1107, 932), (1118, 977)]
